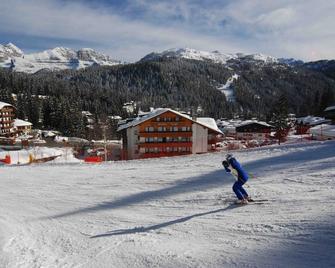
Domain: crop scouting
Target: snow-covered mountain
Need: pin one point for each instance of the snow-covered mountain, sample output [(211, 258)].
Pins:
[(8, 51), (59, 58), (215, 56), (189, 53)]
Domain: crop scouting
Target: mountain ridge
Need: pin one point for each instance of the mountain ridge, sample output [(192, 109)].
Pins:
[(58, 58)]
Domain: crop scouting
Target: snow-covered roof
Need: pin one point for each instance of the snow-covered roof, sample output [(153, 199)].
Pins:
[(312, 120), (3, 104), (330, 108), (86, 113), (115, 117), (248, 122), (208, 122), (323, 129), (21, 123), (160, 111)]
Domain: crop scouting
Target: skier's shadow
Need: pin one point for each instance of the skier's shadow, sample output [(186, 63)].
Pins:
[(143, 229)]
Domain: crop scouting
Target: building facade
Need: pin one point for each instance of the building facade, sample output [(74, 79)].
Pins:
[(165, 132), (7, 115), (22, 127), (253, 130)]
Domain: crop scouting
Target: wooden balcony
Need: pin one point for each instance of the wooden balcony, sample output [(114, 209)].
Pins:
[(164, 144), (166, 134), (162, 154)]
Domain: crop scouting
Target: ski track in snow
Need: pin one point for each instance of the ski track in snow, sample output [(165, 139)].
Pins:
[(172, 212)]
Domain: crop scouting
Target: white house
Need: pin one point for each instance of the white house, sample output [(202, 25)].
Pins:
[(22, 127)]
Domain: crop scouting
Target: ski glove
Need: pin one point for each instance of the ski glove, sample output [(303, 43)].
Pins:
[(226, 166)]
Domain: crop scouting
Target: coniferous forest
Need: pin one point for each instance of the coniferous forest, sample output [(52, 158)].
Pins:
[(54, 100)]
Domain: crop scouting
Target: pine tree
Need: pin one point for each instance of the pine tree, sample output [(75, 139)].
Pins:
[(279, 118)]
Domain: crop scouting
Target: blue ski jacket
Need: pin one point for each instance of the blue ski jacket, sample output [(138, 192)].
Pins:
[(242, 174)]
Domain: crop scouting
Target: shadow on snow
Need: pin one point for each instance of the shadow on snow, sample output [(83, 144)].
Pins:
[(161, 225), (217, 178)]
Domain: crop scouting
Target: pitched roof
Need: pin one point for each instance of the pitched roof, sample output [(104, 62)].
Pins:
[(3, 104), (21, 123), (330, 108), (248, 122), (209, 123), (312, 120), (204, 122)]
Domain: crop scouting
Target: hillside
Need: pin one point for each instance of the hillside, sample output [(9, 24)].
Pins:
[(172, 212), (245, 85)]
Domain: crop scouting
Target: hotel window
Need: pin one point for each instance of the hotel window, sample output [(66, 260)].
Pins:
[(150, 139), (177, 118), (158, 119), (175, 129)]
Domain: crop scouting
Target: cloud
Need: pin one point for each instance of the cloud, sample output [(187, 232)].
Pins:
[(128, 30)]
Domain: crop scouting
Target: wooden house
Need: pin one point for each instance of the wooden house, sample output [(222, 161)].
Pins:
[(7, 115), (253, 130), (165, 132)]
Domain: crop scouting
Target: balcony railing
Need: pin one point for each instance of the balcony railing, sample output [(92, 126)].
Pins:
[(162, 154), (164, 144), (166, 134)]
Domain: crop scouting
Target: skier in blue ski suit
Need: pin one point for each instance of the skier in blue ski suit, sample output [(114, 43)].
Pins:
[(242, 177)]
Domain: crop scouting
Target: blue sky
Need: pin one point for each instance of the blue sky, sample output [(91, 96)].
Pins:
[(128, 30)]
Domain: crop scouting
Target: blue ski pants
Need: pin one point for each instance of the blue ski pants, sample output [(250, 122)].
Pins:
[(239, 190)]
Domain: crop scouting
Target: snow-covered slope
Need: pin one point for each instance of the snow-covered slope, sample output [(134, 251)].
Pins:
[(227, 88), (215, 56), (172, 212), (59, 58)]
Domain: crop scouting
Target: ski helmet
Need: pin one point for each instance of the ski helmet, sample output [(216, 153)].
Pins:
[(229, 156)]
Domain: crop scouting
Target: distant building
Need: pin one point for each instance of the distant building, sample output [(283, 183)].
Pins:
[(165, 132), (89, 119), (129, 107), (22, 127), (253, 130), (245, 129), (303, 124), (7, 115)]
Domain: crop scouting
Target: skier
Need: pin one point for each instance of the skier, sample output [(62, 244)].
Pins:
[(242, 178)]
